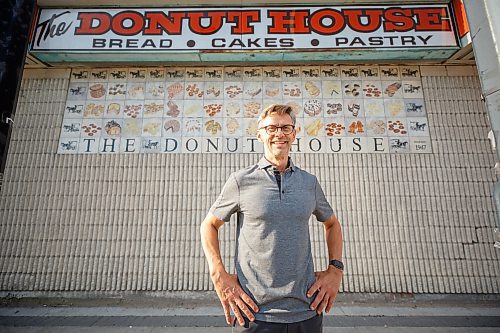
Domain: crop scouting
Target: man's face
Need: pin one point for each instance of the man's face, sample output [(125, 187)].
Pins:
[(276, 144)]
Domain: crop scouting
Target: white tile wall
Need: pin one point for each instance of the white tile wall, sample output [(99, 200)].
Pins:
[(412, 223)]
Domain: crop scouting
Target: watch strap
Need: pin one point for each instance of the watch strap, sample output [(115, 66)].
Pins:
[(337, 264)]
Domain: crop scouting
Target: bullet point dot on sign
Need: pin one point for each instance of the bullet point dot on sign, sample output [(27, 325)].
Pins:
[(314, 42), (191, 43)]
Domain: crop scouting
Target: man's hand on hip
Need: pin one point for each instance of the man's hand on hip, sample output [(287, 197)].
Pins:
[(327, 285), (232, 296)]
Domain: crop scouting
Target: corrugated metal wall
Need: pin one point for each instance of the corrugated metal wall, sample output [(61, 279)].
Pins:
[(418, 223)]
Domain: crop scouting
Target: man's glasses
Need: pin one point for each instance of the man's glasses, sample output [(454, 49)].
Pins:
[(285, 129)]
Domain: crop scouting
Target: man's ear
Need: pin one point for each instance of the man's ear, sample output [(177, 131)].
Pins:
[(294, 135), (259, 136)]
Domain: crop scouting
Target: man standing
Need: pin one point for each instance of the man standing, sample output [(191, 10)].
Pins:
[(275, 288)]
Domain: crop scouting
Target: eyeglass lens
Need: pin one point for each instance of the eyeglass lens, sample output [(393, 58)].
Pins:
[(286, 129)]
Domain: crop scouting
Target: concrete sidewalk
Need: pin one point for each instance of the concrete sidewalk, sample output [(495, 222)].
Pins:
[(353, 313)]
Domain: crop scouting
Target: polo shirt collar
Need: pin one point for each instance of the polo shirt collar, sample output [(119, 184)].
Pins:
[(264, 164)]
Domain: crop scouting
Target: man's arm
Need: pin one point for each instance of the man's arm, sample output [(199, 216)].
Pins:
[(328, 282), (226, 285)]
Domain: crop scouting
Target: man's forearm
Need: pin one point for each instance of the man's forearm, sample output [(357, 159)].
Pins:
[(328, 282), (333, 235), (210, 242)]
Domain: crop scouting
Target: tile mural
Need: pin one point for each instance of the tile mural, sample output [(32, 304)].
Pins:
[(339, 109)]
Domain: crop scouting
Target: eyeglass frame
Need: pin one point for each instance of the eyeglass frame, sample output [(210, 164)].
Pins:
[(278, 127)]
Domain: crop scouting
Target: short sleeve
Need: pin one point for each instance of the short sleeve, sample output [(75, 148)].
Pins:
[(228, 201), (323, 211)]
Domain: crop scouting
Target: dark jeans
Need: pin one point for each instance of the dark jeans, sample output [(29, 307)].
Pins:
[(313, 325)]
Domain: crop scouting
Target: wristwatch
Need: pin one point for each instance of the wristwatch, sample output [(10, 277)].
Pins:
[(337, 264)]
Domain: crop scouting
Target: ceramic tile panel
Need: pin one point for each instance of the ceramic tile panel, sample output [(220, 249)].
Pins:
[(107, 100)]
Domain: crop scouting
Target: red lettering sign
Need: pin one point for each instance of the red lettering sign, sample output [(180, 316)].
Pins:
[(214, 18), (373, 16), (159, 22), (243, 20), (432, 19), (87, 20), (324, 21), (320, 17), (323, 27), (288, 22), (397, 19), (127, 23)]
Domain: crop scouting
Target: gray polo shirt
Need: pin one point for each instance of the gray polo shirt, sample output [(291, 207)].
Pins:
[(273, 260)]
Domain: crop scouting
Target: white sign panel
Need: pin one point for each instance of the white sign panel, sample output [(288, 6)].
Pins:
[(273, 28)]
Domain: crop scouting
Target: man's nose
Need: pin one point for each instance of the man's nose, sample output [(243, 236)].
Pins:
[(279, 132)]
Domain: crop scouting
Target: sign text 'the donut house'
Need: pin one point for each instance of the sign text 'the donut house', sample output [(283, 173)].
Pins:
[(174, 29)]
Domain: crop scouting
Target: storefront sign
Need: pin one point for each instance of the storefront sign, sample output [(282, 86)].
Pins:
[(339, 109), (218, 29)]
